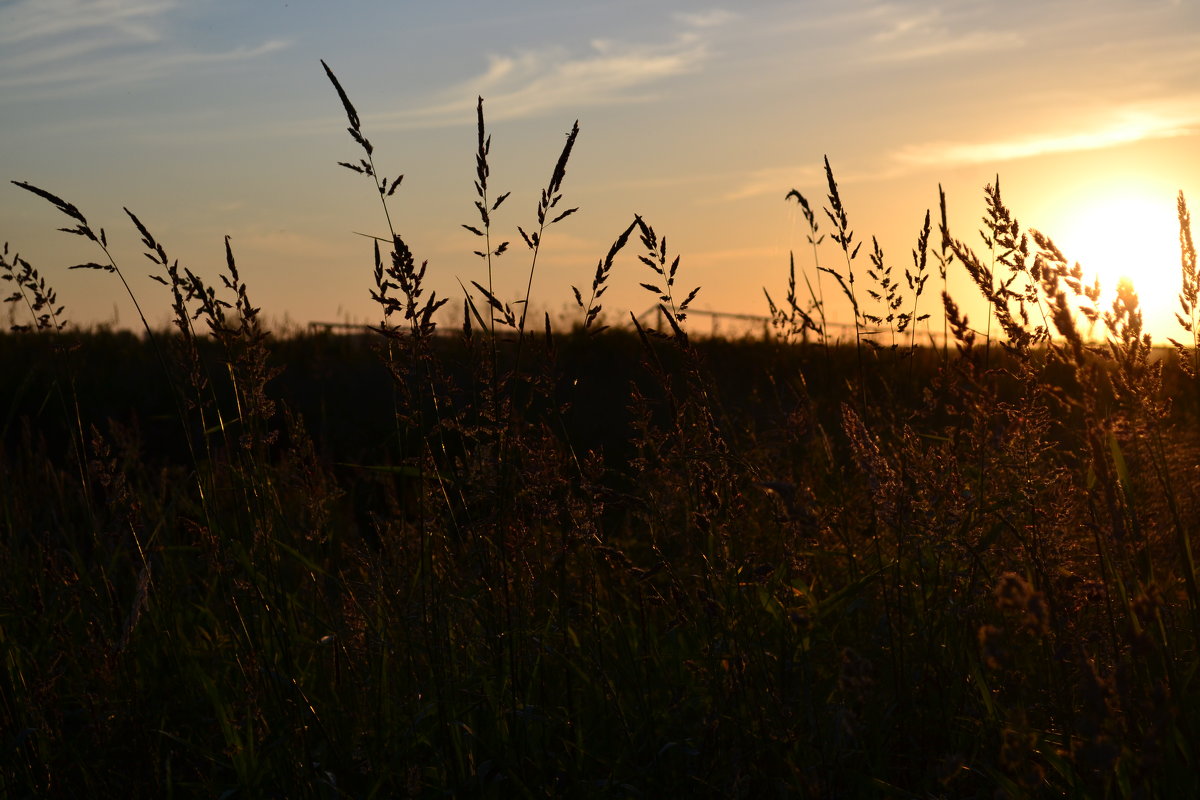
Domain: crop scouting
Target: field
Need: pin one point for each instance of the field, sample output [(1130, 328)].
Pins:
[(524, 558)]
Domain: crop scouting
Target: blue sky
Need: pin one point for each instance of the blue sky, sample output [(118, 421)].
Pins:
[(211, 117)]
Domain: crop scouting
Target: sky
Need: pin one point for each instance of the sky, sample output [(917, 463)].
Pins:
[(214, 118)]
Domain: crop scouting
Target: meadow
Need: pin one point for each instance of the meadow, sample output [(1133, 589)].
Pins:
[(520, 557)]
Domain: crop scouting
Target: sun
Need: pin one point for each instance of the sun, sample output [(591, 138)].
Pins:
[(1128, 234)]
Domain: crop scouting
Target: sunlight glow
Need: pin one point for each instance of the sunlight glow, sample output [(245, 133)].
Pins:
[(1134, 235)]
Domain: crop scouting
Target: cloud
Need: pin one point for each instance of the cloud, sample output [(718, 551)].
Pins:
[(280, 244), (929, 34), (27, 20), (1129, 126), (534, 81), (775, 180), (706, 19), (917, 48), (736, 256), (70, 75), (57, 47)]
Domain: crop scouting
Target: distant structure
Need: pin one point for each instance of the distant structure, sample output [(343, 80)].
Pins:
[(744, 325), (344, 327), (722, 323), (744, 322)]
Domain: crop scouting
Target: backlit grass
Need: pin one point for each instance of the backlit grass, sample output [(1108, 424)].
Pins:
[(527, 558)]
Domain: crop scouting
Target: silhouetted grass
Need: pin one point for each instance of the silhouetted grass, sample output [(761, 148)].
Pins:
[(515, 560)]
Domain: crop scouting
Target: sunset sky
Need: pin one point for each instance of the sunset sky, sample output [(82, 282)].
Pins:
[(211, 117)]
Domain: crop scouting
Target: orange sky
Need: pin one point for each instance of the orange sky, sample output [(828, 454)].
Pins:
[(208, 119)]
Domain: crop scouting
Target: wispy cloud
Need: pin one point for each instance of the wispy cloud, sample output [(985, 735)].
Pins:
[(918, 48), (737, 255), (907, 34), (279, 243), (57, 47), (72, 76), (775, 180), (534, 81), (712, 18), (27, 20), (1127, 126)]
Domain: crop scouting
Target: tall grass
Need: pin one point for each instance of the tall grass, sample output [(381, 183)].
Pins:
[(519, 561)]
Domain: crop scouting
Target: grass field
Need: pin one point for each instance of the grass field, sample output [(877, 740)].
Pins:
[(520, 558)]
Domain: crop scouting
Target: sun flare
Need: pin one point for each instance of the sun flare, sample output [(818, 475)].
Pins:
[(1128, 234)]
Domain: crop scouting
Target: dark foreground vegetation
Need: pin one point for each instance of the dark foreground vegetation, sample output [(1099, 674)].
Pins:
[(511, 560)]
